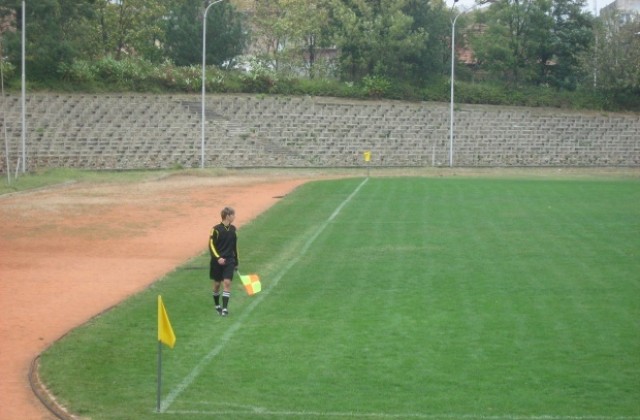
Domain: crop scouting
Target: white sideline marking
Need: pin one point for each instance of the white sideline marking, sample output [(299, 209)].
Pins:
[(186, 382), (257, 412)]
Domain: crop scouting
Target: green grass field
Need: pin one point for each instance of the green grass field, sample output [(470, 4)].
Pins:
[(400, 298)]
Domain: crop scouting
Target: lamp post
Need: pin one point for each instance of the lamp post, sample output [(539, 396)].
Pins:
[(204, 59), (453, 61), (453, 69), (24, 92)]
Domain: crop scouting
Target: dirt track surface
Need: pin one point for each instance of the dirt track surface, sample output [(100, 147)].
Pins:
[(68, 253)]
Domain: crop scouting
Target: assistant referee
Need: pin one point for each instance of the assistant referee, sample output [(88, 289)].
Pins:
[(223, 247)]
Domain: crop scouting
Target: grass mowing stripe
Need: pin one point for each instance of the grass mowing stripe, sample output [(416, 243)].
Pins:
[(249, 309)]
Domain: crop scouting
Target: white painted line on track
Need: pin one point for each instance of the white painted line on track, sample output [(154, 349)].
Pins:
[(197, 370)]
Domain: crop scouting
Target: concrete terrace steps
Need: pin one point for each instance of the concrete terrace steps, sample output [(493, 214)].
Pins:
[(126, 131)]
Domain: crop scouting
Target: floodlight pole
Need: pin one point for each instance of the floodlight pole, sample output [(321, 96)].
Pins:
[(24, 93), (453, 61), (204, 59), (4, 115)]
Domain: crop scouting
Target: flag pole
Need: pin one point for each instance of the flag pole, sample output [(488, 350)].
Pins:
[(165, 336), (159, 376)]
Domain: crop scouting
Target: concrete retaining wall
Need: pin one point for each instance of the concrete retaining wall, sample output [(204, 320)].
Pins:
[(131, 131)]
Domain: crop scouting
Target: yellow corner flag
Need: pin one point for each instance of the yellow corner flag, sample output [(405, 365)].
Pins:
[(251, 283), (165, 332)]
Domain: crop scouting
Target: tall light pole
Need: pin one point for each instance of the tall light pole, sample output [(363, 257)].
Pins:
[(204, 66), (453, 72), (453, 68), (24, 92)]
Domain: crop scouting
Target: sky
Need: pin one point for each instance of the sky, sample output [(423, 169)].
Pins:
[(591, 4)]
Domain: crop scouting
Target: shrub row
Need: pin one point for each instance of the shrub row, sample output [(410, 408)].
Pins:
[(108, 75)]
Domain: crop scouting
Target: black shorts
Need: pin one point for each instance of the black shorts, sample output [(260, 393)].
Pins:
[(219, 272)]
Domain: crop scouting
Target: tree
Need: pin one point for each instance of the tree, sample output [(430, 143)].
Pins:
[(307, 22), (535, 41), (226, 33), (614, 60), (432, 60), (131, 27), (55, 34), (377, 38), (504, 48), (571, 34), (291, 32)]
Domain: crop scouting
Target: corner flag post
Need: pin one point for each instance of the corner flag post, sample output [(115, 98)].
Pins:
[(367, 159), (159, 393), (165, 336)]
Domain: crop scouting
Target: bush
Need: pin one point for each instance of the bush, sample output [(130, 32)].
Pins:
[(189, 79), (376, 86), (438, 91), (8, 69), (259, 76), (78, 71), (624, 99)]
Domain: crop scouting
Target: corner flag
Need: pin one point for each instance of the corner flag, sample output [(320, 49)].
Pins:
[(251, 283), (165, 332)]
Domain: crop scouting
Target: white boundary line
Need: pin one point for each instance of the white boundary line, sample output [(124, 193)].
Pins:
[(188, 380), (258, 412)]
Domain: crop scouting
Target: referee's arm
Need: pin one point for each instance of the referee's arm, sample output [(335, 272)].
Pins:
[(212, 246)]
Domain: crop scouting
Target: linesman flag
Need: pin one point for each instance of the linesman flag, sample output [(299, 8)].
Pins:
[(251, 283), (165, 332), (367, 155)]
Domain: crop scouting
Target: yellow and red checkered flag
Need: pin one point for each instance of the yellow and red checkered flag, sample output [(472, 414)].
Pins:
[(251, 283)]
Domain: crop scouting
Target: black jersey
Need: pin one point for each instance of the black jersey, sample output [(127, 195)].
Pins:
[(223, 242)]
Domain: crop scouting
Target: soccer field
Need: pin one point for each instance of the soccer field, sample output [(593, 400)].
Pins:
[(434, 298)]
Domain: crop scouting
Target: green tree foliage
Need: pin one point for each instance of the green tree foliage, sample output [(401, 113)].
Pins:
[(130, 27), (505, 49), (292, 32), (227, 35), (560, 48), (183, 42), (535, 41), (307, 23), (615, 56), (378, 38), (432, 60), (55, 34)]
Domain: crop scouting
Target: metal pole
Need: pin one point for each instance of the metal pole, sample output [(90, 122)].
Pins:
[(4, 117), (24, 94), (159, 391), (453, 61), (204, 59)]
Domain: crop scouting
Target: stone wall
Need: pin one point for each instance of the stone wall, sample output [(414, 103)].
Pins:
[(131, 131)]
